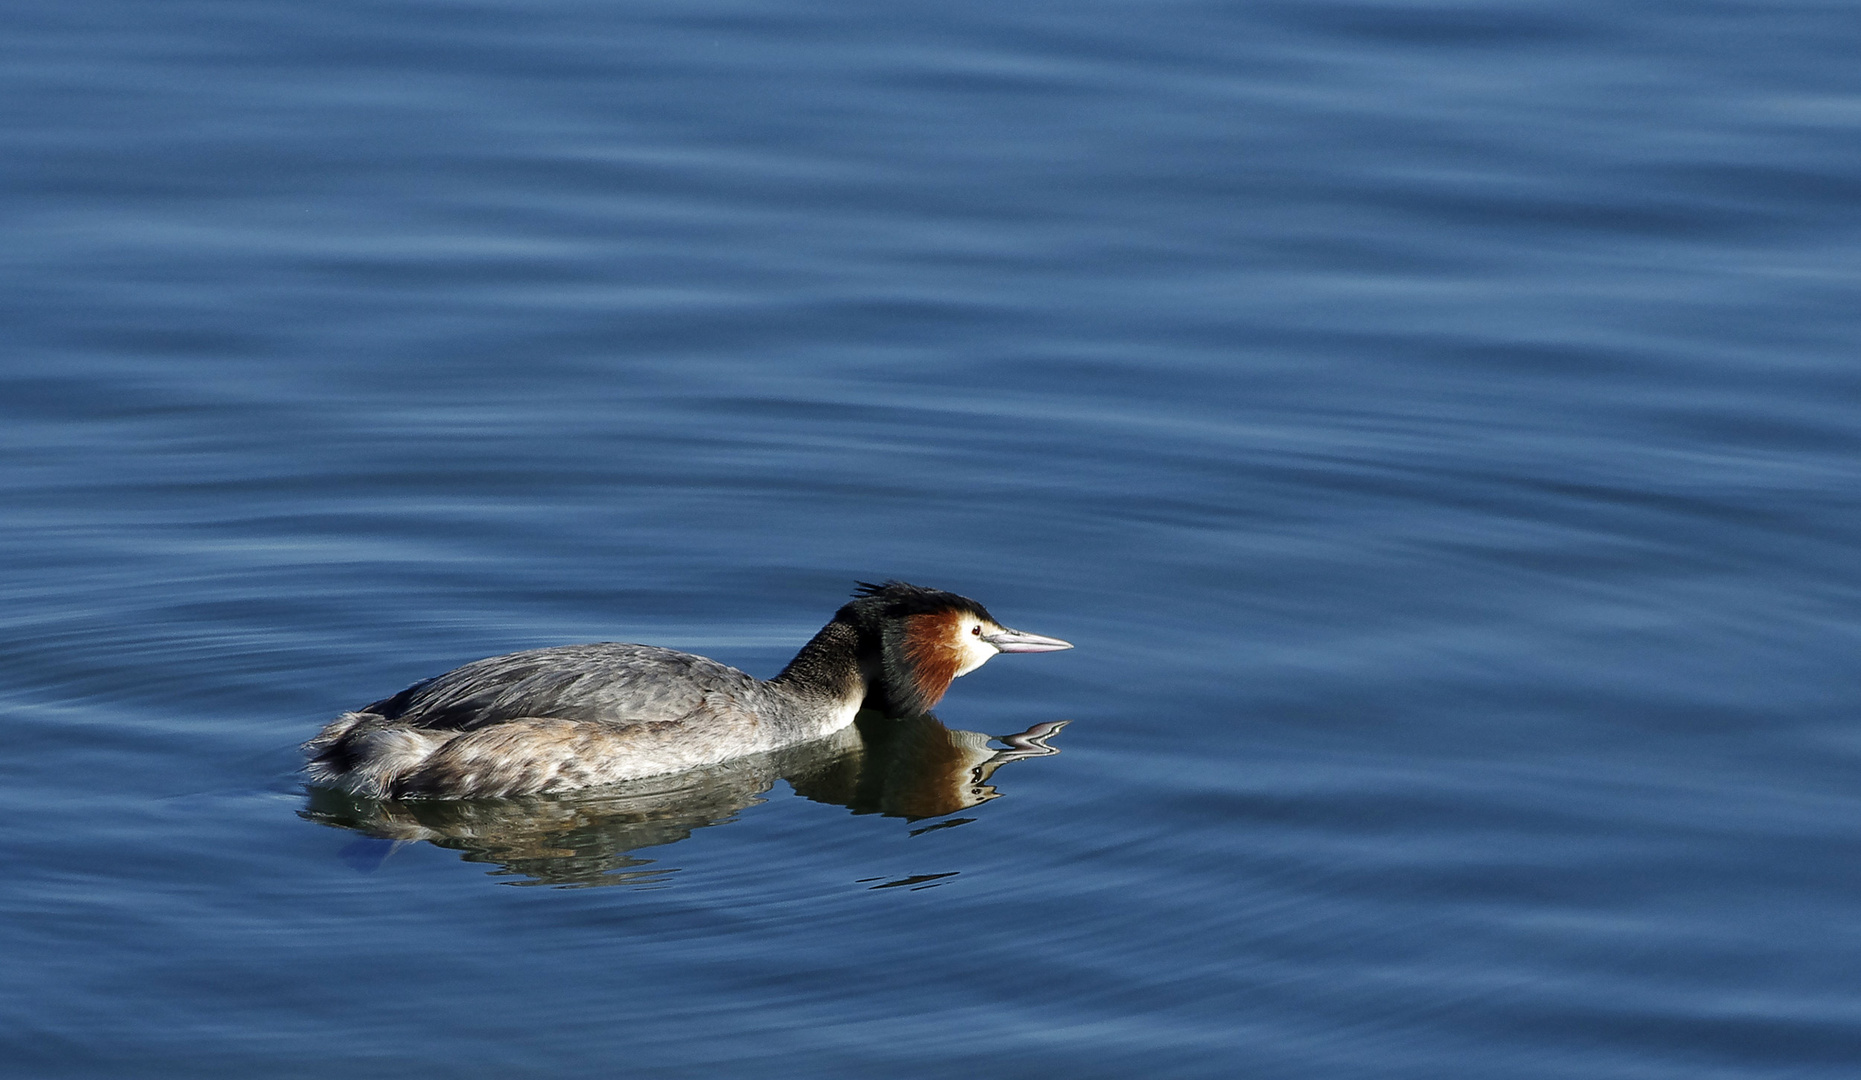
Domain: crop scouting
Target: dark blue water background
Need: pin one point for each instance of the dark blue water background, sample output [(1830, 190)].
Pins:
[(1438, 425)]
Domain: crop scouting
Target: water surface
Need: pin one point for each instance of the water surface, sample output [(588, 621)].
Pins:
[(1436, 425)]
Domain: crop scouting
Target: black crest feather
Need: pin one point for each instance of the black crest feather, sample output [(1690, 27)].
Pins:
[(899, 598)]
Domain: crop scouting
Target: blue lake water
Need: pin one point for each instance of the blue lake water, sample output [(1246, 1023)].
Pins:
[(1437, 425)]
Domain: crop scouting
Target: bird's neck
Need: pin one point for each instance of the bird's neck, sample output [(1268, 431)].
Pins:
[(875, 665), (837, 664)]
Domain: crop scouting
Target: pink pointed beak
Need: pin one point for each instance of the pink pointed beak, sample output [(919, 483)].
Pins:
[(1017, 641)]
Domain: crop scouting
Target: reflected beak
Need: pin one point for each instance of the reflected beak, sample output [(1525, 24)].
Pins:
[(1016, 641)]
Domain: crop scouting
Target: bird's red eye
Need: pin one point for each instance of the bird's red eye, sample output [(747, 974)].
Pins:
[(976, 630)]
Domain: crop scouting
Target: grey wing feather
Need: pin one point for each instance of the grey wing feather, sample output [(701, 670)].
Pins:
[(608, 682)]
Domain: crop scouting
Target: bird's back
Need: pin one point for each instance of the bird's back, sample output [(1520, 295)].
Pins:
[(607, 682)]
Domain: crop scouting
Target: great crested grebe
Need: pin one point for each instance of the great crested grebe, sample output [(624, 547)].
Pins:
[(578, 715)]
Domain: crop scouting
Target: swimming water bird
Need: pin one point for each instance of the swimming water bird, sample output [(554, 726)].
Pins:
[(556, 719)]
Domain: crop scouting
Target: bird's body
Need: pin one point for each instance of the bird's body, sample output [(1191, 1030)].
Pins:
[(581, 715)]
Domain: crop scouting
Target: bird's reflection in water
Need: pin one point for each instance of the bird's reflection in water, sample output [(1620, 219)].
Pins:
[(914, 769)]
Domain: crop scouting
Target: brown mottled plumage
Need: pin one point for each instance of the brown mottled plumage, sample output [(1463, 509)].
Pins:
[(580, 715)]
